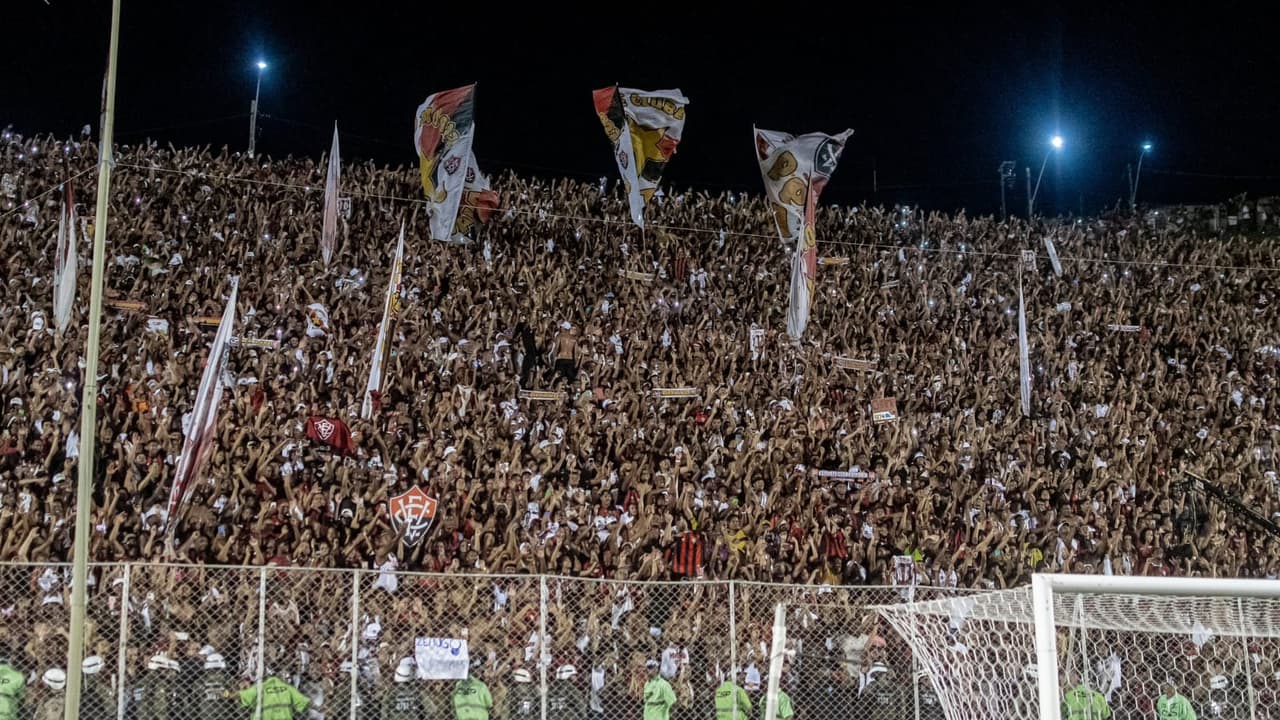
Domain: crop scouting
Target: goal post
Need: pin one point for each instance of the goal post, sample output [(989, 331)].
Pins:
[(1098, 641)]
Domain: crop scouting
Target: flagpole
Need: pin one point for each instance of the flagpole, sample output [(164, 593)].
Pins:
[(89, 394)]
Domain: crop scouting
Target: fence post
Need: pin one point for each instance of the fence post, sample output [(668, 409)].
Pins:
[(541, 647), (262, 639), (915, 682), (122, 656), (355, 642)]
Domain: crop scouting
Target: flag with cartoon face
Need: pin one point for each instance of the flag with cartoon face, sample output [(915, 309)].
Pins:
[(443, 129), (645, 128), (795, 170), (479, 200)]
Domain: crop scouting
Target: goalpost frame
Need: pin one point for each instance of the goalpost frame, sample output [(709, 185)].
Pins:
[(1044, 586)]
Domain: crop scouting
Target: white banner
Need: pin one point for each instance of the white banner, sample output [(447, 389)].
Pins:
[(329, 232), (64, 263), (1024, 360), (390, 309), (202, 432), (441, 658), (1053, 255)]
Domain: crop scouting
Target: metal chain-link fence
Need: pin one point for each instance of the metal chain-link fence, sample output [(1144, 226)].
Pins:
[(172, 641)]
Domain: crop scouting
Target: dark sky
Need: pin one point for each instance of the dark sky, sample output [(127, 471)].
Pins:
[(937, 97)]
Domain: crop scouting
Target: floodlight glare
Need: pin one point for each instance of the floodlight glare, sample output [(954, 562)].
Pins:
[(1056, 142), (1146, 147), (262, 65)]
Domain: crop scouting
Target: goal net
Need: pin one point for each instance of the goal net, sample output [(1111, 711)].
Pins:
[(1100, 647)]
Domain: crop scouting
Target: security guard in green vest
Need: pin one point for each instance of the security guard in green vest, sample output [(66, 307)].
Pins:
[(732, 702), (13, 686), (280, 700), (471, 697)]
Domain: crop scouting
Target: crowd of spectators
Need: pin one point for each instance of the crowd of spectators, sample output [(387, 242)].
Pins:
[(611, 482)]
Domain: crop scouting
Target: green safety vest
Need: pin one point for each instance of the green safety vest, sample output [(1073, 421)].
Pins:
[(725, 698), (280, 700), (12, 687), (471, 700), (658, 699)]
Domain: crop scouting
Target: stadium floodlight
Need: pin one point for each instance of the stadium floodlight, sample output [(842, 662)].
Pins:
[(1136, 177), (253, 108), (1010, 653), (1055, 143)]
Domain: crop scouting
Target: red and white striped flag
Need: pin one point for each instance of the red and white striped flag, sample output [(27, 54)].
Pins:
[(202, 432), (329, 233)]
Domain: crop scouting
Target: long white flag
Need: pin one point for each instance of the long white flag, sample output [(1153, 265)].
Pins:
[(64, 262), (202, 433), (390, 309), (329, 233), (795, 170), (1024, 360)]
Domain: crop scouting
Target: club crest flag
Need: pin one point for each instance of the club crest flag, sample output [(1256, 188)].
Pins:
[(411, 514), (390, 310), (644, 127), (329, 231), (795, 171), (443, 129), (202, 433), (479, 200), (64, 262)]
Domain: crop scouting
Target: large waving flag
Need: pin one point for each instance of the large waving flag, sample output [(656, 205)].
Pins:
[(329, 233), (202, 431), (795, 170), (64, 262), (390, 310), (443, 129), (1024, 355), (644, 127), (479, 200)]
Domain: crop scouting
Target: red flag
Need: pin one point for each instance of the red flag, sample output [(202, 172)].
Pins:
[(332, 432)]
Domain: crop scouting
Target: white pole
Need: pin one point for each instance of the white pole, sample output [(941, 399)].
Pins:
[(355, 642), (122, 656), (1137, 178), (1031, 203), (543, 655), (733, 639), (1046, 647), (1173, 586), (1248, 663), (262, 639), (89, 395), (778, 649)]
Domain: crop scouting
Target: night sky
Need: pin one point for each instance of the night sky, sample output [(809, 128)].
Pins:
[(937, 98)]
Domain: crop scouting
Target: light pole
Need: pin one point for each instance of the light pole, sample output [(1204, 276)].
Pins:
[(253, 110), (1006, 180), (1134, 179), (1055, 143)]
